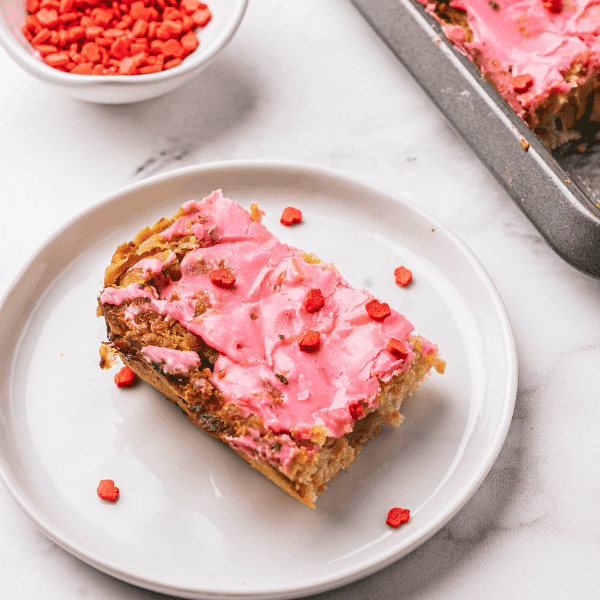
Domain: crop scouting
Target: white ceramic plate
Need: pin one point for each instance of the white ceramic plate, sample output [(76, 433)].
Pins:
[(194, 520)]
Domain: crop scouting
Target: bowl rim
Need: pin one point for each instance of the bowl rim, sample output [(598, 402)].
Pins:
[(192, 62)]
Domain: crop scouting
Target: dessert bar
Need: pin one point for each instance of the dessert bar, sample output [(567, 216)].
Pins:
[(262, 345)]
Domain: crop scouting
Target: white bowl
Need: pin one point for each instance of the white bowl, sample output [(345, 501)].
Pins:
[(118, 89)]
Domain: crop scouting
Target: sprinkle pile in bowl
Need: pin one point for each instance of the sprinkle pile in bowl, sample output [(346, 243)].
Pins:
[(117, 51), (91, 37)]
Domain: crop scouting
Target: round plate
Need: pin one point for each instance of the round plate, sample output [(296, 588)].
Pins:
[(193, 520)]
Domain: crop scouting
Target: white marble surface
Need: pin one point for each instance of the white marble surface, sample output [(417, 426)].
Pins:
[(309, 81)]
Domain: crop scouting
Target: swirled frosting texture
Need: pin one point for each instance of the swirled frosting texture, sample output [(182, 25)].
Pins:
[(255, 325)]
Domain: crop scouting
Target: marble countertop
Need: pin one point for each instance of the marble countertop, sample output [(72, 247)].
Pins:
[(310, 82)]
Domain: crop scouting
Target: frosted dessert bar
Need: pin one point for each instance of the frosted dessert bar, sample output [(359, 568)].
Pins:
[(261, 345), (542, 56)]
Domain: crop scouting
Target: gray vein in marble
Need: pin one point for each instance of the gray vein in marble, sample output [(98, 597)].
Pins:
[(164, 160), (182, 127)]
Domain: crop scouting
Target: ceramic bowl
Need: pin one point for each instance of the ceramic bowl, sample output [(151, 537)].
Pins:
[(118, 89)]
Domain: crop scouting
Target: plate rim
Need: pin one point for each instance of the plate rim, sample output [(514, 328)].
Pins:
[(343, 576)]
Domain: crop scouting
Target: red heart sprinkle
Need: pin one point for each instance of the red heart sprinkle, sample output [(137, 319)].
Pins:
[(403, 276), (314, 300), (290, 215), (223, 278), (554, 6), (396, 348), (521, 83), (125, 377), (107, 490), (378, 310), (397, 516), (356, 411), (309, 341)]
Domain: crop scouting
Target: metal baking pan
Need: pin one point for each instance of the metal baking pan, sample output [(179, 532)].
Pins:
[(558, 195)]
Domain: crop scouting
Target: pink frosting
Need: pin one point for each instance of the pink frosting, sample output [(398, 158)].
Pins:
[(130, 313), (117, 296), (280, 452), (522, 37), (171, 361), (427, 347), (151, 266), (255, 325)]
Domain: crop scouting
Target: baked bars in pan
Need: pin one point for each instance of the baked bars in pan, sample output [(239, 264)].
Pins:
[(552, 198)]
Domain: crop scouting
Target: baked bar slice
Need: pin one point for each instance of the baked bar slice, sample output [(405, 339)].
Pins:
[(542, 56), (262, 346)]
